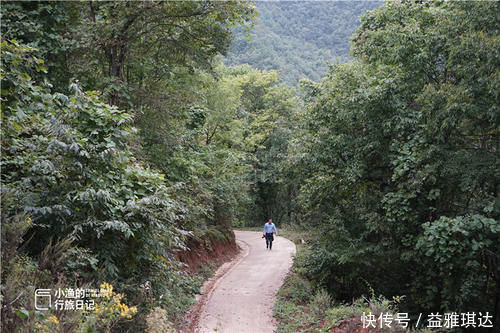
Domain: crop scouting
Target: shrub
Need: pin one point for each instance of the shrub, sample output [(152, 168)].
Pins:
[(67, 167), (296, 289), (320, 302)]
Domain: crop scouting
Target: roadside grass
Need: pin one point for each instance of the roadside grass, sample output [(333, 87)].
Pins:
[(300, 307), (294, 234), (303, 307), (250, 228)]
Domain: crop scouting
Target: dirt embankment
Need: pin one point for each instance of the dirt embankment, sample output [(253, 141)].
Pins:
[(210, 250)]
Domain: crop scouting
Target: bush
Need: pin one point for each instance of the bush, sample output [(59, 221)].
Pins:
[(66, 165), (157, 322), (320, 302), (296, 289)]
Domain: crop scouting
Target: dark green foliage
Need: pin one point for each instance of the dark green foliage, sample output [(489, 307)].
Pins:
[(48, 27), (389, 163), (135, 48), (399, 157), (297, 38), (67, 167), (465, 248), (272, 108), (76, 166)]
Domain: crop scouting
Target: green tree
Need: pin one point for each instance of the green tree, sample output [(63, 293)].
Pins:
[(67, 167), (398, 154), (267, 112), (143, 42), (47, 26)]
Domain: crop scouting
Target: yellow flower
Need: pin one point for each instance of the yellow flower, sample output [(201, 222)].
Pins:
[(53, 319), (107, 289)]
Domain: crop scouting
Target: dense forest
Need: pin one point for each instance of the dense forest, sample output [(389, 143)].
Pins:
[(298, 38), (125, 136)]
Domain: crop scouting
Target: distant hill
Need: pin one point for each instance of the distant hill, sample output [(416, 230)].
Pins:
[(298, 37)]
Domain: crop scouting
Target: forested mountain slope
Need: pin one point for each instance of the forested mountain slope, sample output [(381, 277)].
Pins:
[(125, 140), (297, 38)]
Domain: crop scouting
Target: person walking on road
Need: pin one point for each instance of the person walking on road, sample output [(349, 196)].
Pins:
[(269, 229)]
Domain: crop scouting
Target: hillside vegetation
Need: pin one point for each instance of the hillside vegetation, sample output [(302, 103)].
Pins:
[(298, 38), (125, 139), (393, 165)]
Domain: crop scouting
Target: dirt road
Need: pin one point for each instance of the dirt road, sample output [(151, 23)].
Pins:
[(242, 294)]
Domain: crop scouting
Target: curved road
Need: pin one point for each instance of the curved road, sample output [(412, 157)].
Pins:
[(242, 299)]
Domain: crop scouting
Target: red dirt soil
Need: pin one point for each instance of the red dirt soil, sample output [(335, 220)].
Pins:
[(207, 251)]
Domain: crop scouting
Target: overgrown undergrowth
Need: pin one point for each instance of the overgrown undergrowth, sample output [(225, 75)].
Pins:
[(302, 306)]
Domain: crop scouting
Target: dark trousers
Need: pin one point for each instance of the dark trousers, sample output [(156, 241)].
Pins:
[(269, 240)]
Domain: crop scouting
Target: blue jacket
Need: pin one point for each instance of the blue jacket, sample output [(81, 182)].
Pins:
[(270, 228)]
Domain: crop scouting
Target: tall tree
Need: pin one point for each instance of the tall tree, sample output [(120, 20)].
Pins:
[(399, 153), (147, 39)]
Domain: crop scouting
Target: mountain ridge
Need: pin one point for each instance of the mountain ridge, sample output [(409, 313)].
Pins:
[(298, 38)]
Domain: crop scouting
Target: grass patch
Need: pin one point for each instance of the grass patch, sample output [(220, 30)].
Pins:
[(302, 306), (295, 235), (250, 228)]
